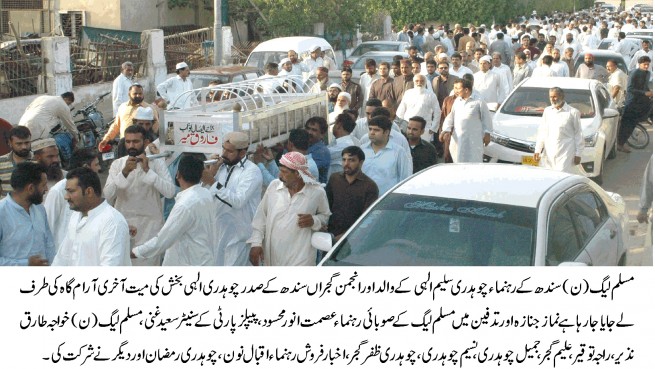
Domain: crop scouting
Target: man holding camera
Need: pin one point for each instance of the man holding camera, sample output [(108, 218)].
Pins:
[(136, 184)]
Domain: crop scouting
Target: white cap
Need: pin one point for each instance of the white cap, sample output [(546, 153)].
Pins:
[(181, 65), (442, 55), (335, 85), (486, 58), (144, 113), (314, 48), (284, 61)]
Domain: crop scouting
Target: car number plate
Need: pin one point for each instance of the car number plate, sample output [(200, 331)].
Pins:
[(108, 156), (529, 160)]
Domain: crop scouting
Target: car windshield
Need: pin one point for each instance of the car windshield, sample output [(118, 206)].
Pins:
[(601, 61), (531, 101), (202, 80), (432, 231), (359, 64), (365, 48), (259, 59)]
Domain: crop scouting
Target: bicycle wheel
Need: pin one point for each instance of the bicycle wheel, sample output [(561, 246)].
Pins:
[(639, 138)]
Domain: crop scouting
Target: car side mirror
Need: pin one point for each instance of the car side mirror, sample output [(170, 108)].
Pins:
[(610, 113), (322, 241), (492, 107)]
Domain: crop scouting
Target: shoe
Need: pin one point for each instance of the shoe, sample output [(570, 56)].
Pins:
[(623, 148)]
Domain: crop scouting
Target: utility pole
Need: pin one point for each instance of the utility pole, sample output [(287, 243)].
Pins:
[(218, 33)]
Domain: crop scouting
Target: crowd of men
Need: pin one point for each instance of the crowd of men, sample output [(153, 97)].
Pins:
[(261, 209)]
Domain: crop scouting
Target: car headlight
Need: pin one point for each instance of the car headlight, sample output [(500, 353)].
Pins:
[(590, 141)]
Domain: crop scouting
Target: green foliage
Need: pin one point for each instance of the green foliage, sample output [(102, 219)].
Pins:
[(296, 17)]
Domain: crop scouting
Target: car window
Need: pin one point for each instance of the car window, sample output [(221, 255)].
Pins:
[(588, 213), (423, 230), (203, 80), (532, 101), (260, 58), (563, 243), (237, 78), (251, 75), (365, 48), (359, 64)]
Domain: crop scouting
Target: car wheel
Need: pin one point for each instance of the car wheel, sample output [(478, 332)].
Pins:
[(612, 153)]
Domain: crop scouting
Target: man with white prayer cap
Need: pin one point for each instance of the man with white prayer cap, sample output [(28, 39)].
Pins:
[(235, 184), (491, 87), (293, 207), (174, 87)]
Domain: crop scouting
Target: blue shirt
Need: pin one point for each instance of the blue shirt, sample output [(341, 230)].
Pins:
[(23, 235), (270, 172), (321, 156), (387, 167)]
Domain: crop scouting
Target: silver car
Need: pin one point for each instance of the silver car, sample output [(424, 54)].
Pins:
[(486, 214)]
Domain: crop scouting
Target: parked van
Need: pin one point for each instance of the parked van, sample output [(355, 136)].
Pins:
[(276, 49)]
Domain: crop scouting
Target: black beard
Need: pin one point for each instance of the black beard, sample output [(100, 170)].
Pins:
[(230, 163), (54, 172), (135, 152), (35, 198), (590, 64), (23, 153), (137, 100), (332, 100)]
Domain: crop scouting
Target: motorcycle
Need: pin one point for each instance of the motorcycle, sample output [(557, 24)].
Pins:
[(88, 127), (91, 124)]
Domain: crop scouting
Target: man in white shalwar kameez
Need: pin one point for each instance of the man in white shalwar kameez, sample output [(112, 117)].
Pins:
[(56, 207), (189, 236), (559, 140), (236, 187), (491, 86), (137, 184), (418, 101), (469, 125), (174, 89), (98, 234), (293, 207)]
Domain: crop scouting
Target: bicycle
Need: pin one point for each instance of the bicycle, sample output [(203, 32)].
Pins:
[(639, 138)]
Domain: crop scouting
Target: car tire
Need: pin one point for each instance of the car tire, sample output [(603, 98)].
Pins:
[(612, 153)]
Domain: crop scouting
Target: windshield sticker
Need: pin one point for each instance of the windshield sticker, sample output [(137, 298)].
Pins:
[(454, 225), (446, 208)]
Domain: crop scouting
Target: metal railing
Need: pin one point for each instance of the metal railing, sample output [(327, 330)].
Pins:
[(100, 62), (188, 47), (21, 77)]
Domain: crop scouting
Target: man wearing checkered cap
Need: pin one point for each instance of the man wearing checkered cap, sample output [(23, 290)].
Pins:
[(293, 207)]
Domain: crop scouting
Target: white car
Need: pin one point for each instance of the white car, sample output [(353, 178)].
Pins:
[(368, 46), (516, 122), (486, 214)]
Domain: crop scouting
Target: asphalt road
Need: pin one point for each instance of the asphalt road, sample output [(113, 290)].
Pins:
[(623, 175)]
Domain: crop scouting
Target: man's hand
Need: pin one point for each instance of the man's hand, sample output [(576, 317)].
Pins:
[(536, 156), (132, 230), (305, 220), (130, 165), (75, 141), (209, 173), (486, 139), (577, 160), (143, 159), (257, 255), (649, 93), (642, 216), (102, 144), (153, 149), (132, 255), (444, 137), (37, 260)]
